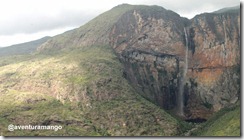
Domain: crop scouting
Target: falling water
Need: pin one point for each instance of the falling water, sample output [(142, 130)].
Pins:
[(182, 80), (186, 56)]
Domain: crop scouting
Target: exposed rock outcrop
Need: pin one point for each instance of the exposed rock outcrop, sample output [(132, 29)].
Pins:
[(215, 61), (151, 43)]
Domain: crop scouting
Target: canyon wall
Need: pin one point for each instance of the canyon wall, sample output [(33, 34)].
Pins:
[(152, 46)]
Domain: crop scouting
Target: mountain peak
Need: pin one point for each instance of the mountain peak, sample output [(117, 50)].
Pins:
[(123, 5), (97, 30)]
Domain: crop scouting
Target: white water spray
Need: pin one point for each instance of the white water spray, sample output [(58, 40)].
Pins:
[(182, 80)]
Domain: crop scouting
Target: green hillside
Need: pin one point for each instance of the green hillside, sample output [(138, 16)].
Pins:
[(96, 31), (226, 122), (23, 48), (83, 90)]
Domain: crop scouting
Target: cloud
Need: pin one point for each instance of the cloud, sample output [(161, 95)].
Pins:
[(35, 16), (7, 40), (35, 23), (190, 8), (194, 7), (28, 16)]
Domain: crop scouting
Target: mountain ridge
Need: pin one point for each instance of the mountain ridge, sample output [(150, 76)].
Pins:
[(23, 48), (122, 70), (228, 9), (142, 32), (133, 28), (99, 32)]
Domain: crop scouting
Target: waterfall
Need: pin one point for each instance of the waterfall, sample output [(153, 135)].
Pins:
[(186, 55), (182, 80)]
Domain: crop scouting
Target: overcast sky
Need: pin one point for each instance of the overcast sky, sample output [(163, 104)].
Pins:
[(26, 20)]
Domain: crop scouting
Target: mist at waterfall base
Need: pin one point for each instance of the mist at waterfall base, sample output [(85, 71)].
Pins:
[(180, 102)]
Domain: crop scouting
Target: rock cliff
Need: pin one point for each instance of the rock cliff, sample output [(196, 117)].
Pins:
[(151, 43)]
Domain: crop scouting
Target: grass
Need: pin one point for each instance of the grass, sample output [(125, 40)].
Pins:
[(84, 91), (81, 89), (139, 119), (15, 109), (89, 34), (226, 122), (24, 48)]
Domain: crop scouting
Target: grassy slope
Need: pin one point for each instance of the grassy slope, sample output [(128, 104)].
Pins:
[(24, 108), (23, 48), (93, 97), (224, 123), (95, 32), (90, 33), (89, 79)]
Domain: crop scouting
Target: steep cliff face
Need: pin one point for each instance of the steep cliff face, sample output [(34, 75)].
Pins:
[(152, 29), (214, 62), (152, 45), (154, 76)]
